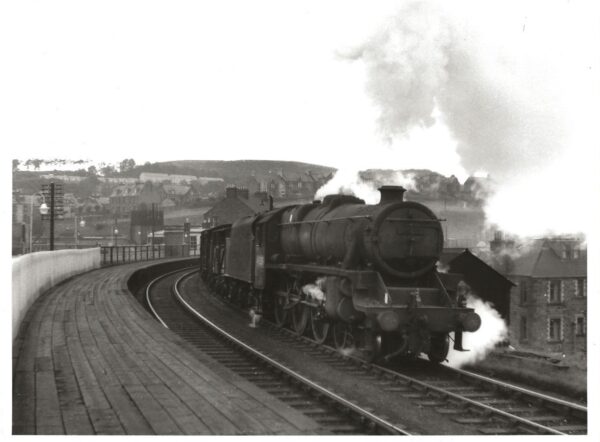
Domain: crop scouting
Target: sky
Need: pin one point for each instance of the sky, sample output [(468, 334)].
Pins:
[(323, 82), (503, 88)]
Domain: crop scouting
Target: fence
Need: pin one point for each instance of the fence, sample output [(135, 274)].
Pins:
[(112, 255)]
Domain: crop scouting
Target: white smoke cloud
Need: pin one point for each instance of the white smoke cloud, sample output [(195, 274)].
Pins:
[(315, 290), (512, 91), (349, 182), (492, 331)]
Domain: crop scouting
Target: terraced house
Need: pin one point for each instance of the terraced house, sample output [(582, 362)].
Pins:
[(549, 303), (128, 197)]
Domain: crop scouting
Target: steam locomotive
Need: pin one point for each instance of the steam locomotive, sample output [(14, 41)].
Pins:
[(362, 276)]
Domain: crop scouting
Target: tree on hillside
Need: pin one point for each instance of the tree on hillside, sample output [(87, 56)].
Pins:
[(33, 162), (16, 165), (126, 165), (108, 170), (92, 171)]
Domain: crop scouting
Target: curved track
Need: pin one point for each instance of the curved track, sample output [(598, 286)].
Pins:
[(494, 407), (489, 405), (335, 414), (484, 404)]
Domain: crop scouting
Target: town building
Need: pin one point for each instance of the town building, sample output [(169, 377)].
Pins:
[(127, 197), (237, 203), (548, 306), (166, 178), (287, 185), (180, 194)]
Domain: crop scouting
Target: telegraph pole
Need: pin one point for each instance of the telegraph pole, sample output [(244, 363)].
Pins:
[(53, 193), (51, 216)]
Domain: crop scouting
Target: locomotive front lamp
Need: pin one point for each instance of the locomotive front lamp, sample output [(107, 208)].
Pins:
[(82, 223)]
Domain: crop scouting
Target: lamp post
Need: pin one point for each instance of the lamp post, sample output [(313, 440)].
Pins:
[(81, 224), (116, 232), (43, 211)]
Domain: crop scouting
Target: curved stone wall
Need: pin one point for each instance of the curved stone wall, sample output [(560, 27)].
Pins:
[(34, 273)]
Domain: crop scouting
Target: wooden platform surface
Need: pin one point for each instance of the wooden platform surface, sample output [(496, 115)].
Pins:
[(89, 359)]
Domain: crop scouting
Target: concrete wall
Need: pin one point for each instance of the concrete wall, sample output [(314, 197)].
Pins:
[(35, 273)]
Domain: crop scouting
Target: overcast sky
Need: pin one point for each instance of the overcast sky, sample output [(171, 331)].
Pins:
[(462, 87), (282, 80)]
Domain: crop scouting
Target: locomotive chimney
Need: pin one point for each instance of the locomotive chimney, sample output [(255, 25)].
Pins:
[(391, 194)]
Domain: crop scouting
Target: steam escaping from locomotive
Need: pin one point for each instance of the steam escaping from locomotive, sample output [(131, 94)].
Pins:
[(347, 181), (315, 291), (513, 94), (493, 330)]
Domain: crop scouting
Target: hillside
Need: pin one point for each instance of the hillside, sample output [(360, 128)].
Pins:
[(228, 169)]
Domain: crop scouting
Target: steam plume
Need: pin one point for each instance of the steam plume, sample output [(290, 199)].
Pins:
[(349, 182), (315, 290), (509, 88), (492, 331)]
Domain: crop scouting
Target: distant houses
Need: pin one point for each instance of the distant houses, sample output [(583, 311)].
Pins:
[(286, 185), (238, 202)]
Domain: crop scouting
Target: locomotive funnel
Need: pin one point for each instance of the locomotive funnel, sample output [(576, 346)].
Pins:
[(391, 194)]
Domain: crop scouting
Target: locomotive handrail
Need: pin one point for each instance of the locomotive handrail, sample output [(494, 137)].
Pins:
[(314, 221), (419, 220), (441, 285)]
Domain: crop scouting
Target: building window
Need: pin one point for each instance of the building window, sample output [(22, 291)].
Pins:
[(555, 291), (581, 287), (555, 329), (579, 325), (523, 292), (523, 327)]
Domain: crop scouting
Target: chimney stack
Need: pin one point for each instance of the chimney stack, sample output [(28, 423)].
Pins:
[(391, 194), (231, 192)]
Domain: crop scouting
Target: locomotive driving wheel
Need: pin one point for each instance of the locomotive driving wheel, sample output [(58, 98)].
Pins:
[(300, 312), (281, 306), (343, 336), (319, 324)]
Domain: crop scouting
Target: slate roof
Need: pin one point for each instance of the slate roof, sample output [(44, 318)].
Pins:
[(176, 189), (127, 190), (459, 258), (542, 258)]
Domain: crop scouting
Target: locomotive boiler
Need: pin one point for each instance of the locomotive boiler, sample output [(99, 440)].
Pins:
[(363, 276)]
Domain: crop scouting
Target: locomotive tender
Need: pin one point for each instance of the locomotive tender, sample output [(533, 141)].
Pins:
[(363, 276)]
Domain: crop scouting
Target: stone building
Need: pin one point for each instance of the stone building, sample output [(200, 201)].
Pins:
[(180, 194), (548, 307), (128, 197)]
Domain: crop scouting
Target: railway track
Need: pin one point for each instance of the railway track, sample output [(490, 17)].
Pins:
[(492, 406), (334, 414), (488, 405)]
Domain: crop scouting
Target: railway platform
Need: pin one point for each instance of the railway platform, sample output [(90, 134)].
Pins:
[(89, 359)]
